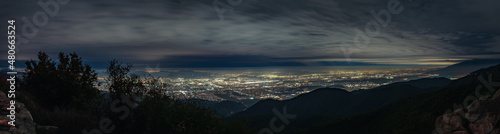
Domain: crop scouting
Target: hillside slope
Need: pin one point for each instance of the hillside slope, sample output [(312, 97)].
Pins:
[(334, 103), (416, 115)]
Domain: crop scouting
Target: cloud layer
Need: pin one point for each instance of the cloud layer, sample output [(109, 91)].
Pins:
[(301, 31)]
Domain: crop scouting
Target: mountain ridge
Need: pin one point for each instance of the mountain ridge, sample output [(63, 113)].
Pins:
[(414, 115), (334, 102), (465, 67)]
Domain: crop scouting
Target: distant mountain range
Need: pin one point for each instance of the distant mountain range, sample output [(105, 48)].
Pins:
[(465, 67), (188, 74)]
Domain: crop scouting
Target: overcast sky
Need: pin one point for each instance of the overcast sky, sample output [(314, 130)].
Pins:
[(190, 33)]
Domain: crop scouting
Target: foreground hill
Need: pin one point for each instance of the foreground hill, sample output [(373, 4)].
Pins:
[(416, 115), (224, 108), (332, 103)]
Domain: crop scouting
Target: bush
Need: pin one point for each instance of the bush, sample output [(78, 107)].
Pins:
[(63, 95), (67, 84), (69, 121)]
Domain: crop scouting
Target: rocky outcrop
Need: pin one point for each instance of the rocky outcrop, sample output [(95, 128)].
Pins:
[(480, 117), (23, 119)]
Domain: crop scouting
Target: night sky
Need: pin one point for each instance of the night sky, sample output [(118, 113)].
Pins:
[(191, 33)]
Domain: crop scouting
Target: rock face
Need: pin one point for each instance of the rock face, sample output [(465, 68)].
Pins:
[(24, 122), (480, 117)]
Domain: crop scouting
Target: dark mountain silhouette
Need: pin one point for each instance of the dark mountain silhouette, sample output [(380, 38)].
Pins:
[(175, 74), (465, 67), (415, 115), (334, 103), (225, 108), (342, 63)]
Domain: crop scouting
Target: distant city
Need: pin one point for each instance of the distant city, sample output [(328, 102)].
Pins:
[(279, 85)]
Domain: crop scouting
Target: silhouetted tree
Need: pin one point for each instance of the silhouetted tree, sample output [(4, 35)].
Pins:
[(158, 113), (69, 84), (123, 83)]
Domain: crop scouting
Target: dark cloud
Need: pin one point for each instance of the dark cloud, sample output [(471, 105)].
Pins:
[(154, 31)]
